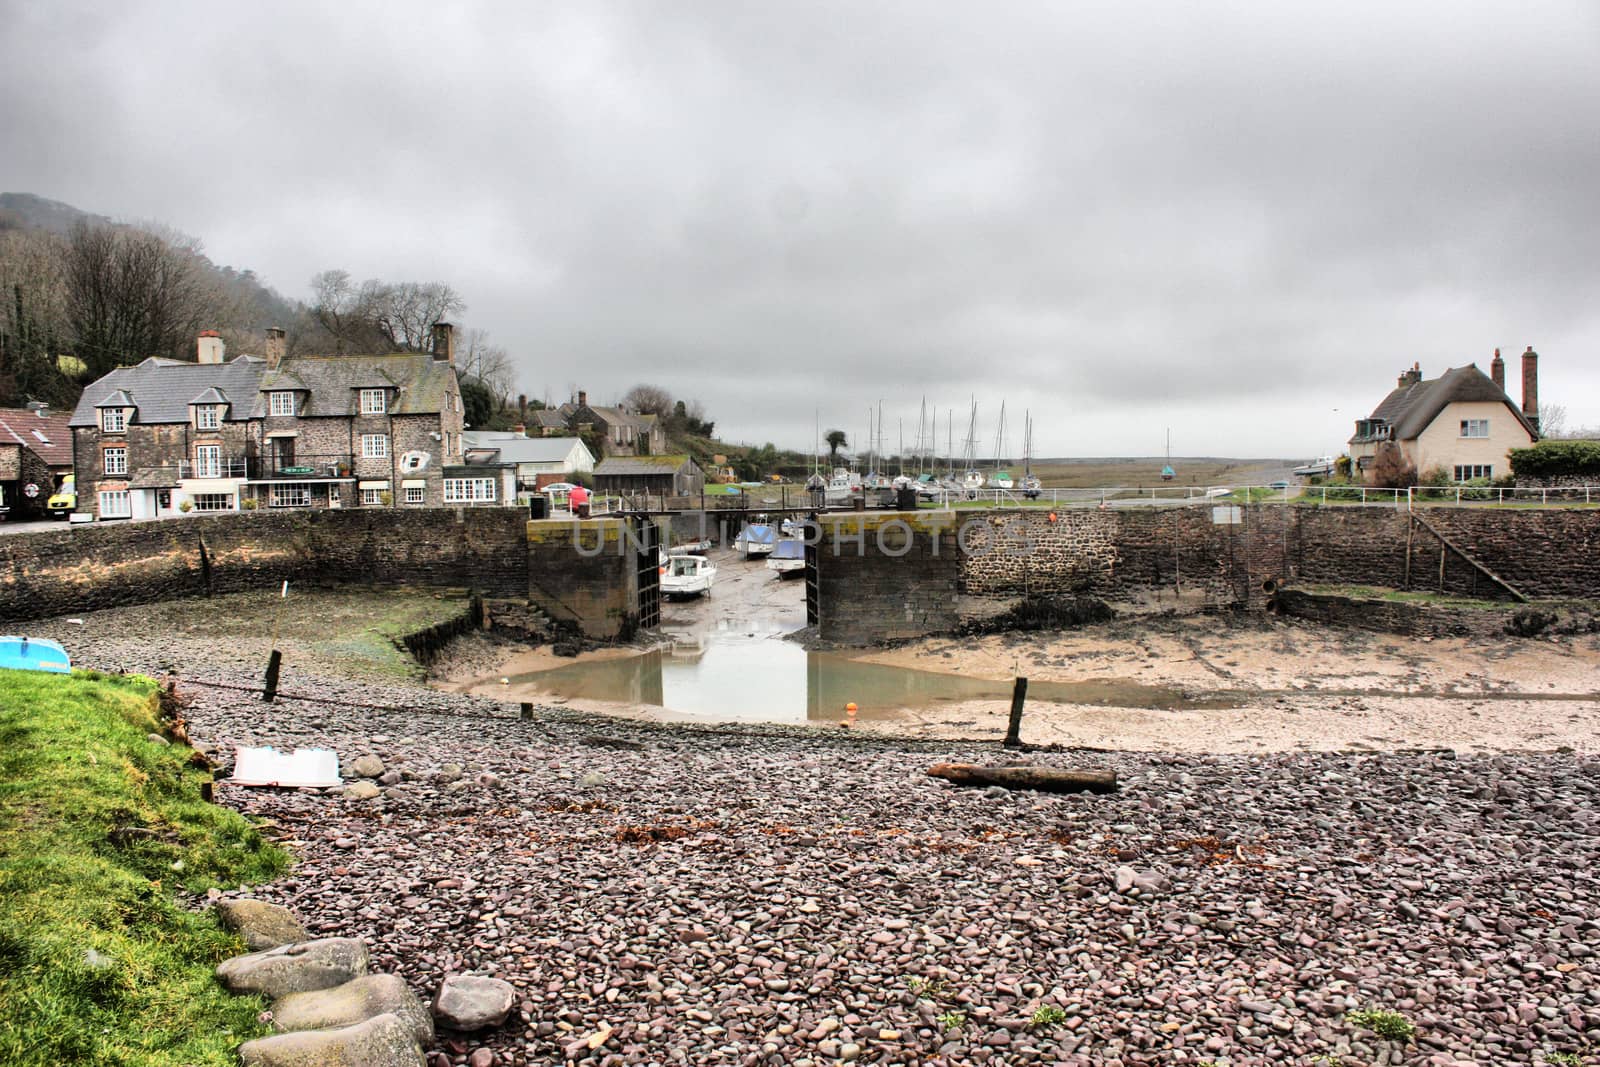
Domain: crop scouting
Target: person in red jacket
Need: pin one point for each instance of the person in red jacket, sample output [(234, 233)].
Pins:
[(578, 501)]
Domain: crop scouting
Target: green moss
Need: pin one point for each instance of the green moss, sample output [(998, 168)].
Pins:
[(99, 827)]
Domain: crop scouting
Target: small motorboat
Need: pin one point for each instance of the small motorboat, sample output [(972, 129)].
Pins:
[(691, 548), (756, 539), (1032, 487), (687, 576), (34, 654), (788, 557), (1000, 479), (1323, 466)]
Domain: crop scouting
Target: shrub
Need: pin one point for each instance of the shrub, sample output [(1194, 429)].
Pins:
[(1557, 459), (185, 506), (1389, 1025), (249, 503), (1391, 469)]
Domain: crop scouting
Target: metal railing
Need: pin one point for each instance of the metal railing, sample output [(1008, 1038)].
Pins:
[(314, 465), (227, 467)]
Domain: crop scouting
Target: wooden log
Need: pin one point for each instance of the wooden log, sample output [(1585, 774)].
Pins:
[(1045, 779)]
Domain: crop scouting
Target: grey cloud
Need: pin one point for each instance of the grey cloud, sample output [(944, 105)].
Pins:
[(1231, 218)]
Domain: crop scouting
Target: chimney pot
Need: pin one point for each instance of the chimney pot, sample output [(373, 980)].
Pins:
[(1497, 371), (1530, 387), (209, 347), (275, 347), (444, 343)]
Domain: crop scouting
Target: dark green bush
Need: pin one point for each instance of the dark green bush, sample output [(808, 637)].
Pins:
[(1557, 459)]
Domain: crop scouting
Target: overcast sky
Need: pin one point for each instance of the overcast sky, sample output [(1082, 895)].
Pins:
[(1239, 220)]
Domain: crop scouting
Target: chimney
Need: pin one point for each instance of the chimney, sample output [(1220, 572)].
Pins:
[(520, 430), (444, 343), (1530, 387), (209, 347), (522, 404), (275, 346), (1497, 371), (1410, 377), (583, 399)]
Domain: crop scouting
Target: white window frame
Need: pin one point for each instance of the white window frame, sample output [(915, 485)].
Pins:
[(290, 495), (371, 497), (374, 402), (117, 466), (116, 504), (212, 502), (208, 461), (469, 490), (416, 494), (208, 417), (113, 420), (280, 402), (374, 446), (1467, 472), (1468, 426)]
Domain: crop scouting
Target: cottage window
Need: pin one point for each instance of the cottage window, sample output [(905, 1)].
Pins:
[(373, 402), (1472, 471), (414, 494), (208, 461), (291, 496), (116, 460), (114, 504), (371, 497), (374, 446), (280, 403), (207, 417), (468, 490), (113, 420), (212, 501), (1474, 427)]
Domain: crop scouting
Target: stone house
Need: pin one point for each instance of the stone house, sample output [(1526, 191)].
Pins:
[(35, 454), (1462, 421), (548, 422), (621, 432), (150, 438), (656, 475), (364, 431)]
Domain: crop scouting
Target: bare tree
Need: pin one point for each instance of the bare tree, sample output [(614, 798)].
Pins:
[(1552, 420), (377, 315), (648, 399), (1391, 469), (131, 293), (477, 357)]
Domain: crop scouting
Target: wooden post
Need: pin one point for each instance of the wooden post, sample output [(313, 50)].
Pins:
[(527, 710), (1019, 693), (269, 691)]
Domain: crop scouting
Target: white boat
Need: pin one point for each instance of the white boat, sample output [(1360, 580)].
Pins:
[(842, 488), (756, 539), (972, 480), (789, 557), (1315, 467), (1031, 486), (687, 576), (1000, 479)]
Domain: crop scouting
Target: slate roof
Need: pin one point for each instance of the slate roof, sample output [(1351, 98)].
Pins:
[(211, 396), (546, 418), (48, 437), (641, 465), (154, 478), (515, 448), (1409, 409), (161, 389), (417, 383)]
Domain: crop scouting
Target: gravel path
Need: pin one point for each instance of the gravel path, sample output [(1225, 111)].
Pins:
[(685, 895)]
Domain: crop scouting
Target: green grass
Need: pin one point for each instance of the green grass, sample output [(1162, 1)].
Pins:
[(1408, 596), (99, 827), (1389, 1025)]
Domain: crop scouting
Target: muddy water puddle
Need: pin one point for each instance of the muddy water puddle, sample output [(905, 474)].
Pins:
[(731, 676)]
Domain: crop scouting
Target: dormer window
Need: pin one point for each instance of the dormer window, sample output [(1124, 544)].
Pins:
[(280, 403), (373, 402), (208, 417), (113, 420)]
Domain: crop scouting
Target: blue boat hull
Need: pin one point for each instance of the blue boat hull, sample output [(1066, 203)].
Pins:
[(34, 654)]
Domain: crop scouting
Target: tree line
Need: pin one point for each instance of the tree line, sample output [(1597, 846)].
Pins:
[(76, 305)]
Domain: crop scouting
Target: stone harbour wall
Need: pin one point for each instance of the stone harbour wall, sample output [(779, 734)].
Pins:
[(492, 551), (1199, 556)]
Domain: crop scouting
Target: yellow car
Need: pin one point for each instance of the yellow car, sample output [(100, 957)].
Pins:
[(64, 501)]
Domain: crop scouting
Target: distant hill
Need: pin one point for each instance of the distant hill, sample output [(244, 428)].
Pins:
[(30, 212)]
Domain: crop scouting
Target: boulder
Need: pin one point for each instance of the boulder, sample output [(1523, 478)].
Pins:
[(361, 790), (367, 767), (296, 968), (356, 1001), (384, 1041), (262, 925), (472, 1002)]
